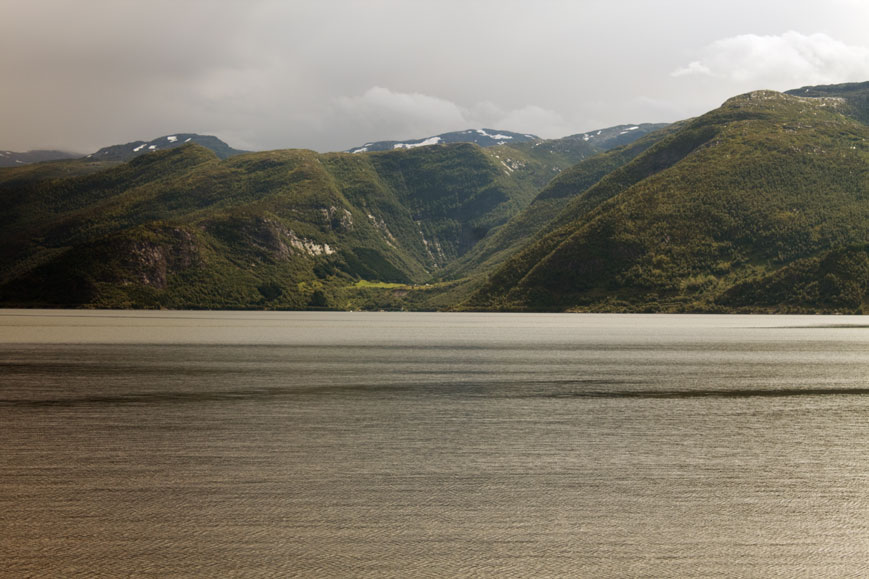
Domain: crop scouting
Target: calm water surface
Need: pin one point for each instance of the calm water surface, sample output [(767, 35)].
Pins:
[(432, 445)]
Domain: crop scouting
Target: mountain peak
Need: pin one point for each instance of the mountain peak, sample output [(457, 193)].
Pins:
[(128, 151)]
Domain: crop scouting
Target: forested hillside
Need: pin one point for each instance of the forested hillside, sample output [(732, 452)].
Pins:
[(713, 217), (758, 206)]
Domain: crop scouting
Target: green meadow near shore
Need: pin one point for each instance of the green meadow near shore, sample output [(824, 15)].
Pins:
[(761, 205)]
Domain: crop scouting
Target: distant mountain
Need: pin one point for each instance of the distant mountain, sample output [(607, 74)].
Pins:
[(13, 159), (525, 156), (598, 140), (481, 137), (604, 139), (134, 149), (567, 151)]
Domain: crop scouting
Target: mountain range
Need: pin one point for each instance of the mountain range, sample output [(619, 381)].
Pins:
[(757, 206)]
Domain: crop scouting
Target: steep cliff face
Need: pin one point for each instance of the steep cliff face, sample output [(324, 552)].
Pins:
[(150, 262)]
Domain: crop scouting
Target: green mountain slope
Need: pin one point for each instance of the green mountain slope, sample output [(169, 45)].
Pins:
[(836, 280), (735, 195), (183, 228)]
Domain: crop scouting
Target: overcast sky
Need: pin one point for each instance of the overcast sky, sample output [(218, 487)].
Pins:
[(332, 74)]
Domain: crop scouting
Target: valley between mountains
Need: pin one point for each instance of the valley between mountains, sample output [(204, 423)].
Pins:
[(761, 205)]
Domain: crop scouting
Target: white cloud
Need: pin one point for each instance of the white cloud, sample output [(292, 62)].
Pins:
[(271, 73), (790, 59), (695, 67), (534, 119), (407, 114)]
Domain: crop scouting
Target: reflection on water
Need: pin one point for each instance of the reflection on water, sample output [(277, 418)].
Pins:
[(333, 444)]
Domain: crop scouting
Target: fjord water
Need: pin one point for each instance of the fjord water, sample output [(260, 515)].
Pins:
[(401, 445)]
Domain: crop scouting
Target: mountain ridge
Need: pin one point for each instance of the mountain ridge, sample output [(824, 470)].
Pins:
[(759, 205), (606, 138)]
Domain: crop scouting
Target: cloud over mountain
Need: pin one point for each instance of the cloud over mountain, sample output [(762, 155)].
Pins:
[(381, 113), (265, 74), (382, 109)]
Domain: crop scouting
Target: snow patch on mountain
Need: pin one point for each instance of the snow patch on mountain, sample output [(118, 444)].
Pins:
[(499, 136), (425, 143)]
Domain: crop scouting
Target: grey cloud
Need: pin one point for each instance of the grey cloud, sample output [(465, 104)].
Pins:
[(330, 75), (382, 114)]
